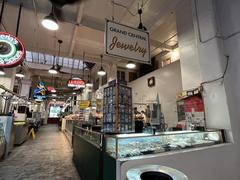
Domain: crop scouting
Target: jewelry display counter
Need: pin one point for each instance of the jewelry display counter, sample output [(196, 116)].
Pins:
[(102, 155), (2, 141), (130, 145)]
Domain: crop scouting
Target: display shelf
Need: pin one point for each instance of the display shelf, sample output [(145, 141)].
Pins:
[(117, 108)]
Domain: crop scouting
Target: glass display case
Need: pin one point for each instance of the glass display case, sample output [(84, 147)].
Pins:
[(94, 138), (130, 145), (2, 140), (1, 130)]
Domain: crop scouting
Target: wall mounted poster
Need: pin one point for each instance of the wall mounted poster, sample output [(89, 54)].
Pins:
[(126, 42), (12, 51)]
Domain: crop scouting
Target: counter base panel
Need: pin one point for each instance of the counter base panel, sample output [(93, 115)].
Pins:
[(109, 167), (87, 159), (21, 132)]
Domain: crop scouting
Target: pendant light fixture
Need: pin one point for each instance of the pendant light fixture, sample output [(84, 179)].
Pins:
[(89, 83), (50, 21), (53, 69), (101, 71), (58, 67), (2, 72), (130, 65), (52, 88), (20, 72)]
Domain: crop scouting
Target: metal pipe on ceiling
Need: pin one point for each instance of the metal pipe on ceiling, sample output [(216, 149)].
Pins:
[(79, 19), (2, 9), (19, 18), (1, 15), (11, 92), (34, 7)]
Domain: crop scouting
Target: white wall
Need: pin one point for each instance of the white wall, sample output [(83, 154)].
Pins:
[(216, 106), (167, 84)]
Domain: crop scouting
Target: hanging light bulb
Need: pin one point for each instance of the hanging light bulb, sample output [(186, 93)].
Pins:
[(2, 72), (20, 73), (175, 55), (50, 22), (101, 71), (53, 70), (130, 65), (53, 91), (89, 84)]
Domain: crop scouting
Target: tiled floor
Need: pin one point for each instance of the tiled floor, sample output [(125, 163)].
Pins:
[(48, 157)]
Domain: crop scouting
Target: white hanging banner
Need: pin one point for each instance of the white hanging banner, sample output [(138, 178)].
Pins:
[(127, 42)]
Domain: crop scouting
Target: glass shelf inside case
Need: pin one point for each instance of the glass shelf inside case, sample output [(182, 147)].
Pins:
[(130, 145)]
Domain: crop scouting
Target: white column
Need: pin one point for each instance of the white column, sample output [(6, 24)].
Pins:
[(112, 71), (25, 89), (228, 14), (212, 64), (190, 67), (202, 61), (8, 79)]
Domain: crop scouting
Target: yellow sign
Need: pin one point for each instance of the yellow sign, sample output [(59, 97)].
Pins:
[(99, 103), (84, 104), (32, 133)]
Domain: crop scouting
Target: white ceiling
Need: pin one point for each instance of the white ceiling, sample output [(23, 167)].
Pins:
[(88, 35)]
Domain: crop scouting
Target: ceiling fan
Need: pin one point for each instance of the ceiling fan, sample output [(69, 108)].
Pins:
[(61, 3), (58, 8), (57, 14)]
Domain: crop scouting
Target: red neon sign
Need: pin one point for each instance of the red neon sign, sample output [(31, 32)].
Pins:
[(12, 51), (76, 83)]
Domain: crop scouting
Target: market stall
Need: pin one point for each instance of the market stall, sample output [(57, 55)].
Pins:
[(6, 127), (112, 151), (20, 125)]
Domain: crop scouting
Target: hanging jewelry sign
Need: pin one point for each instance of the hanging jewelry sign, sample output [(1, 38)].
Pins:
[(127, 42), (12, 51)]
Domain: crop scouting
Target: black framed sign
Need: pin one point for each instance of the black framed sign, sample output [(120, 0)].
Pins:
[(151, 81), (127, 42)]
